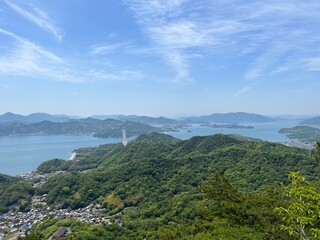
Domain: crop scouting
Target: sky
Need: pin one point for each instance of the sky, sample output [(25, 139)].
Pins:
[(160, 57)]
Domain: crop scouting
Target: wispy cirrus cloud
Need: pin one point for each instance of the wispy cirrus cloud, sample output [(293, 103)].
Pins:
[(28, 59), (265, 62), (123, 75), (39, 17), (242, 91), (278, 35), (170, 38), (267, 35), (312, 63), (103, 49)]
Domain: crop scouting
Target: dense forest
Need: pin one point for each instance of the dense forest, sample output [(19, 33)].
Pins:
[(15, 193), (213, 187)]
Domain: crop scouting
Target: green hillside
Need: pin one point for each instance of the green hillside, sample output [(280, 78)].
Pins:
[(303, 133), (312, 121), (15, 193), (163, 187)]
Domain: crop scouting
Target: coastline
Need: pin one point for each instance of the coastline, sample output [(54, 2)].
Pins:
[(73, 156)]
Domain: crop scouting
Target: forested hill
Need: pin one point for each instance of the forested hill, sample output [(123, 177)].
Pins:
[(249, 164), (315, 121), (88, 126), (305, 134), (156, 181), (14, 192), (6, 179)]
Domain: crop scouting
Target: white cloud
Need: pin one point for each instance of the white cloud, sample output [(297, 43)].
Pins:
[(28, 59), (269, 33), (264, 64), (312, 63), (38, 17), (242, 91), (179, 62), (179, 35), (123, 75), (171, 36), (103, 49)]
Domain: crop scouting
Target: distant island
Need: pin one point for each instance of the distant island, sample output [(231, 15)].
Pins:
[(35, 117), (141, 119), (40, 117), (233, 126), (237, 117), (305, 134), (315, 121), (88, 126)]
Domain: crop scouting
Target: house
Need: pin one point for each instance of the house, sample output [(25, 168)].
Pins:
[(60, 232)]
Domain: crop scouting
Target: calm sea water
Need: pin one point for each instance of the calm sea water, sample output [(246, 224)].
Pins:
[(264, 131), (20, 154)]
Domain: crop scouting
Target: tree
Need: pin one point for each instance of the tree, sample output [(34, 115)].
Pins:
[(302, 213), (317, 156)]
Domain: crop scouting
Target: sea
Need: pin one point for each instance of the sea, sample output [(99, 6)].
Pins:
[(22, 154)]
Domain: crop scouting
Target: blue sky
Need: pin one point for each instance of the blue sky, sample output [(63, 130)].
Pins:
[(160, 57)]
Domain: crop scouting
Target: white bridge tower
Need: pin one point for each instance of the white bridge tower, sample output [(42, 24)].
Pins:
[(124, 136)]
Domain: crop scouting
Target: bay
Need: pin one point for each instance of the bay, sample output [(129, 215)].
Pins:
[(268, 131), (21, 154)]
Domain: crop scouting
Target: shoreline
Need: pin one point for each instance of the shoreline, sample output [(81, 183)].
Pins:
[(73, 156)]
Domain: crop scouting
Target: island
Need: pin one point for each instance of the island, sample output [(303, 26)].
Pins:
[(231, 125), (88, 126), (304, 134)]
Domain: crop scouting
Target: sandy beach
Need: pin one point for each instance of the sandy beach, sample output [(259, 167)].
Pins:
[(73, 156)]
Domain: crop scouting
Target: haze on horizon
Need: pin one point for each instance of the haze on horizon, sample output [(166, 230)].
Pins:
[(159, 57)]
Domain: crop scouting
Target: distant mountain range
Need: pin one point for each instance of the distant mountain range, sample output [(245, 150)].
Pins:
[(236, 117), (88, 126), (140, 119), (34, 117)]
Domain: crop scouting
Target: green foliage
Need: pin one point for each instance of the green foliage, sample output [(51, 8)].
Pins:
[(218, 229), (114, 202), (301, 216), (317, 153), (32, 236), (6, 179), (53, 165), (15, 193), (253, 210), (215, 187), (82, 231), (303, 133)]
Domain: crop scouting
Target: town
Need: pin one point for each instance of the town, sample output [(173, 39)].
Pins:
[(14, 224), (299, 144)]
